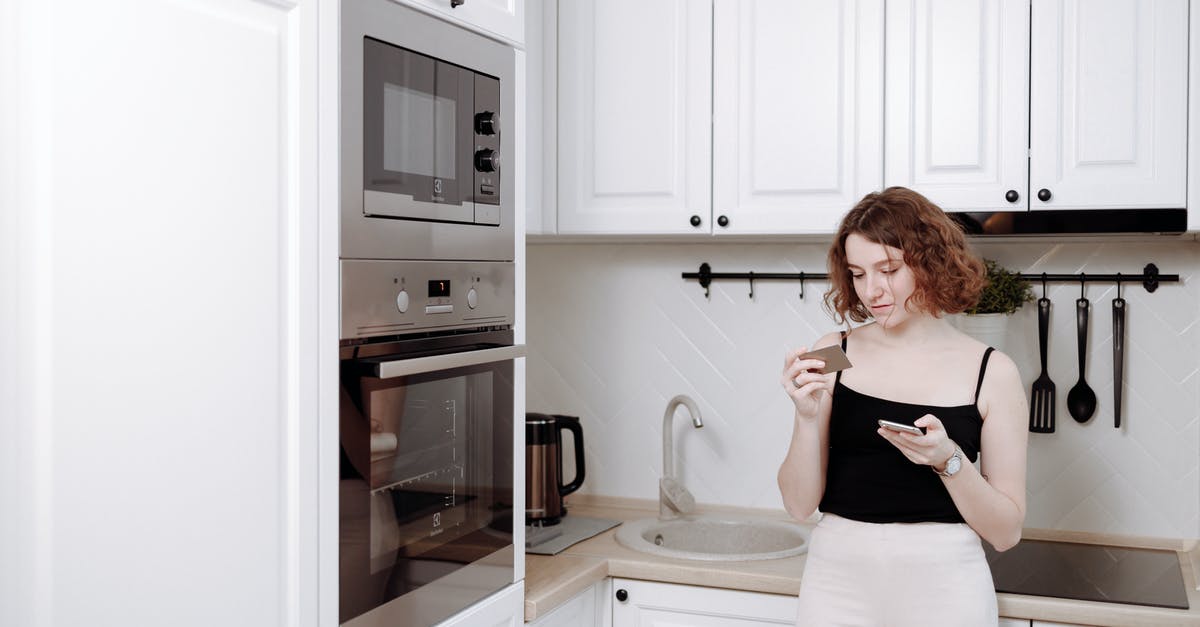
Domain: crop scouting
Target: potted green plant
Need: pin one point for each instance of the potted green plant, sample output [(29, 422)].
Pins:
[(1003, 294)]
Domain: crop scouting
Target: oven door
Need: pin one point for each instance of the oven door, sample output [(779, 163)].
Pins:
[(426, 490)]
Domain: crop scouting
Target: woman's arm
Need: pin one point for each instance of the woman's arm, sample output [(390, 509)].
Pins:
[(802, 475), (992, 502)]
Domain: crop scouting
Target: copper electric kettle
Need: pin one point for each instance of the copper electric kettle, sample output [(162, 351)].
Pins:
[(544, 489)]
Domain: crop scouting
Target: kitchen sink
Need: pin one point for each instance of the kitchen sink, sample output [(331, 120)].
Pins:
[(715, 539)]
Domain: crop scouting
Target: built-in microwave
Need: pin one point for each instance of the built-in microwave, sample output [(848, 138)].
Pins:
[(426, 121)]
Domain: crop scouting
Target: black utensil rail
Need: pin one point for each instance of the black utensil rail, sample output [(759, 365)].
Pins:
[(1150, 278)]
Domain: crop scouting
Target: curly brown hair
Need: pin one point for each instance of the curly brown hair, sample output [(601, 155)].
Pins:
[(949, 276)]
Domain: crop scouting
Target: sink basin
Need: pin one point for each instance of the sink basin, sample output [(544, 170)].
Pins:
[(715, 539)]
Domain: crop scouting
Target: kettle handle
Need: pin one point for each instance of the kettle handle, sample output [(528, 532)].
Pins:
[(571, 423)]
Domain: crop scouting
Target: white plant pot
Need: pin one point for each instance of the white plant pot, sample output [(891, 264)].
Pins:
[(990, 329)]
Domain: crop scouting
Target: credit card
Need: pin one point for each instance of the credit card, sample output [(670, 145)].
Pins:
[(834, 357)]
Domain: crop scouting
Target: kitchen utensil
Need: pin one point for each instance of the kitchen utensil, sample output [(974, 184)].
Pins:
[(544, 489), (1118, 315), (1081, 400), (1042, 399)]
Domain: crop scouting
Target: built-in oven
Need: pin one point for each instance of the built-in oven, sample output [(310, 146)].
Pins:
[(425, 107), (427, 439)]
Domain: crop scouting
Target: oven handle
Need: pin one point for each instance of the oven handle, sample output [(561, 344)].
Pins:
[(423, 365)]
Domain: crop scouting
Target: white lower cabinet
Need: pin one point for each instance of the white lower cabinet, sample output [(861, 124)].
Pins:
[(652, 604)]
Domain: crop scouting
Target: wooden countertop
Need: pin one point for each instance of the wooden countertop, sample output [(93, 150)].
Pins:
[(552, 580)]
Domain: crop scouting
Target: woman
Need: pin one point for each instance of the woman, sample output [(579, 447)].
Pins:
[(898, 542)]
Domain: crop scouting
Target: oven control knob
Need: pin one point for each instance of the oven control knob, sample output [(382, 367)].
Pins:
[(487, 160), (472, 298), (402, 301), (485, 123)]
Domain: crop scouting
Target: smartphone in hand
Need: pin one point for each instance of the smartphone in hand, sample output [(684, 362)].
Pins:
[(896, 426), (834, 357)]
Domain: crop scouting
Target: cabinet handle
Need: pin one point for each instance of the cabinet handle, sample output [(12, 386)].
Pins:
[(1012, 196), (622, 595), (695, 220), (455, 3), (723, 221), (1043, 194)]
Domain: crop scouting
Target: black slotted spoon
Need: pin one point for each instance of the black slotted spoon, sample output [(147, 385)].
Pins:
[(1042, 397)]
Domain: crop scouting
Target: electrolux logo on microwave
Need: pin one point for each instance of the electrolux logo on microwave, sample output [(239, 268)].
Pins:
[(437, 189)]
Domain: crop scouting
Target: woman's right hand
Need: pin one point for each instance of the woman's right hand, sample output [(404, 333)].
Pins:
[(804, 384)]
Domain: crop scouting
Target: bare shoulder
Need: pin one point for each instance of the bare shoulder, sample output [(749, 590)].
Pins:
[(1002, 369), (1002, 392)]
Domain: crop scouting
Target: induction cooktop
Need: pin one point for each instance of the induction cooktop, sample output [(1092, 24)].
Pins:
[(1090, 572)]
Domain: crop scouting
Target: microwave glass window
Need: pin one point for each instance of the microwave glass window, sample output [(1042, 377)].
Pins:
[(418, 132)]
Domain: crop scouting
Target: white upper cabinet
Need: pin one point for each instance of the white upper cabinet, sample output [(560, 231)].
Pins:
[(958, 101), (733, 117), (797, 113), (500, 18), (1108, 104), (990, 102), (634, 104)]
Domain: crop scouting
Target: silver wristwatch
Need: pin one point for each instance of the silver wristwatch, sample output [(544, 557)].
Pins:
[(953, 465)]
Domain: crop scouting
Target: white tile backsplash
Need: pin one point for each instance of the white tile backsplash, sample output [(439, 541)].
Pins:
[(614, 332)]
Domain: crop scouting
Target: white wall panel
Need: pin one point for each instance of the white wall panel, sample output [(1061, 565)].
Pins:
[(614, 332)]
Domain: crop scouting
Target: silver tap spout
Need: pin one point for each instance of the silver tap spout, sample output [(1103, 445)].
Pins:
[(673, 497)]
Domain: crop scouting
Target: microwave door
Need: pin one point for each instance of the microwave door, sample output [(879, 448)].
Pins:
[(417, 136)]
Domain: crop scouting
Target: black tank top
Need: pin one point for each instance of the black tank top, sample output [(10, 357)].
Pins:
[(869, 480)]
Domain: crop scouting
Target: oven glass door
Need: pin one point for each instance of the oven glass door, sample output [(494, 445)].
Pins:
[(418, 135), (426, 488)]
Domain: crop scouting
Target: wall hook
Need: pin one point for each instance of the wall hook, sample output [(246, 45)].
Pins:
[(1118, 285), (1082, 282), (1151, 274), (1043, 285), (801, 286), (751, 286), (705, 277)]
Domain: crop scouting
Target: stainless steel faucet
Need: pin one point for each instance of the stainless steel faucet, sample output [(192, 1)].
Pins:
[(673, 498)]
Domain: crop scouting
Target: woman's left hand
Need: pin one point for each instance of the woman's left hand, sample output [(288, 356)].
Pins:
[(932, 449)]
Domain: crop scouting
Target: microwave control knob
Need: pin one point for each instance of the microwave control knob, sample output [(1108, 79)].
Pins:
[(485, 123), (487, 160), (472, 298), (402, 301)]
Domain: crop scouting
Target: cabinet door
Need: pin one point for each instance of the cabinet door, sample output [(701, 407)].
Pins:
[(957, 101), (635, 101), (1109, 103), (797, 112), (503, 18), (167, 314), (652, 604)]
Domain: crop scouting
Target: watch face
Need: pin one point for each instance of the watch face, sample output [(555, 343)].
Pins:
[(953, 465)]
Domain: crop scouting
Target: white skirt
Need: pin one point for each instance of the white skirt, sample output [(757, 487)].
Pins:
[(894, 575)]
